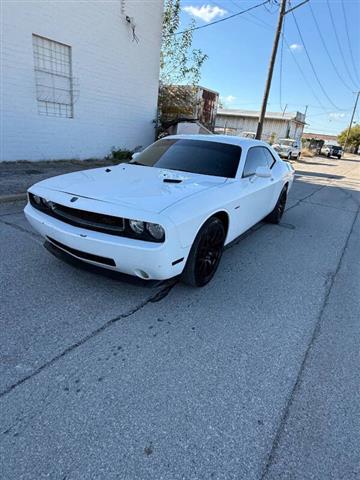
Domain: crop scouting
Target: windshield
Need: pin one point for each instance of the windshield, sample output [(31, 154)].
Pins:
[(194, 156), (286, 141)]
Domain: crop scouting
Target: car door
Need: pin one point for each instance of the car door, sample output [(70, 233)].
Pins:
[(256, 193)]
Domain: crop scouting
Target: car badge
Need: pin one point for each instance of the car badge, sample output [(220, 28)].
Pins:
[(73, 199)]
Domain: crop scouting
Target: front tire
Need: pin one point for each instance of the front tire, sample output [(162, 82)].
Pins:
[(205, 253), (276, 215)]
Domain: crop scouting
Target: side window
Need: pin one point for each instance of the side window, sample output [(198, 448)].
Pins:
[(270, 159), (257, 157)]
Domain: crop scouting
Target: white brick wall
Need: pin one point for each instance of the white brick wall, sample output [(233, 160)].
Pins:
[(117, 77)]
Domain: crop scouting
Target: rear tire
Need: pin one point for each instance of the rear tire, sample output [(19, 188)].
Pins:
[(205, 253), (289, 156), (277, 213)]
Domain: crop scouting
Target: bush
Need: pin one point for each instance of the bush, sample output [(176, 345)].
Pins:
[(121, 155), (306, 152)]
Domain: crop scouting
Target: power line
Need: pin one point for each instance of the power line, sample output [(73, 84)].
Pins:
[(327, 50), (312, 65), (304, 76), (221, 19), (339, 43), (268, 26), (256, 21), (349, 42), (272, 60)]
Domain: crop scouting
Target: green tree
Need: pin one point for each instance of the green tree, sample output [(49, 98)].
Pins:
[(180, 68), (354, 137), (179, 62)]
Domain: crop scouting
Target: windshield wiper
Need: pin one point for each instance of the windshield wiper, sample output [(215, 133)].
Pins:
[(175, 169), (137, 163)]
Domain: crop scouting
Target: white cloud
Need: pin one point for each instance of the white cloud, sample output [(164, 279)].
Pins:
[(296, 47), (207, 13), (228, 99), (336, 115)]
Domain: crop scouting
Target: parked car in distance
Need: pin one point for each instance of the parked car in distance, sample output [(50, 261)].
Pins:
[(288, 148), (169, 211), (332, 151), (248, 134)]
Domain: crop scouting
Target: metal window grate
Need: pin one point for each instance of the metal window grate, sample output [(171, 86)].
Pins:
[(54, 86)]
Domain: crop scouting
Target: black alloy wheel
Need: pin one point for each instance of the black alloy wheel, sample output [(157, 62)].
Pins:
[(276, 215), (205, 254)]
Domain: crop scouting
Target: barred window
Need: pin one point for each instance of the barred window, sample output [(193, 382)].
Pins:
[(53, 77)]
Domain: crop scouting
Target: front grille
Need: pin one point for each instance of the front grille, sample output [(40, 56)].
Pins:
[(98, 222), (82, 218), (83, 255)]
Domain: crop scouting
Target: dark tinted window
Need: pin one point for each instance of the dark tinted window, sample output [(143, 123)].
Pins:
[(270, 158), (195, 156), (257, 157)]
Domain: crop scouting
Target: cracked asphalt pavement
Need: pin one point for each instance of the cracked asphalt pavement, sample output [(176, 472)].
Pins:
[(255, 376)]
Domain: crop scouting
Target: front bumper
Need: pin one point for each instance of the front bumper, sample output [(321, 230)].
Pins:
[(147, 260), (283, 154)]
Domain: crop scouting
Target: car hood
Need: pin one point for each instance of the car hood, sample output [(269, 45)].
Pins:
[(132, 186)]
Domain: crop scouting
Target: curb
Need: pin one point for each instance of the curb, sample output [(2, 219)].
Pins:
[(12, 198)]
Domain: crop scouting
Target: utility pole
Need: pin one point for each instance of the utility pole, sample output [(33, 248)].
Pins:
[(352, 119), (282, 13)]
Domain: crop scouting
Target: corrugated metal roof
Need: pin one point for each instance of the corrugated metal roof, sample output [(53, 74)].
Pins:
[(253, 114)]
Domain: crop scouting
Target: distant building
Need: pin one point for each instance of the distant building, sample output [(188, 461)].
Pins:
[(315, 141), (185, 127), (320, 136), (78, 77), (244, 123), (186, 102)]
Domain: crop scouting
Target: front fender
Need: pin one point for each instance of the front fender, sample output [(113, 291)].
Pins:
[(188, 227)]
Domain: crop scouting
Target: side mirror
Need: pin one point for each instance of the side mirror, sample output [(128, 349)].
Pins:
[(263, 172), (135, 155)]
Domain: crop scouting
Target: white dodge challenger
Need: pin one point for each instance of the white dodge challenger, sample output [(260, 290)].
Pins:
[(169, 211)]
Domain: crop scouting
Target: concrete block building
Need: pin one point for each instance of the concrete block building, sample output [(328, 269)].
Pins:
[(78, 78)]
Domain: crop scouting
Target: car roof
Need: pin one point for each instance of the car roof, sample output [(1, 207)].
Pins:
[(229, 139)]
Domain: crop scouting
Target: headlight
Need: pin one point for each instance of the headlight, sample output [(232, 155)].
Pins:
[(36, 199), (137, 226), (156, 230), (147, 230)]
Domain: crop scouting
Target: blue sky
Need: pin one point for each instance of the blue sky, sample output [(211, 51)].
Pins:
[(239, 51)]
